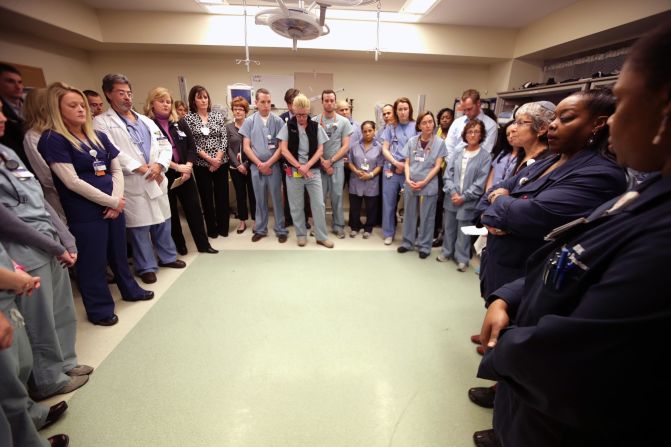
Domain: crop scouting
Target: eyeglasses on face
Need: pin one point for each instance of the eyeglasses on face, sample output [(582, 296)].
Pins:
[(123, 93), (473, 132), (522, 123), (301, 115)]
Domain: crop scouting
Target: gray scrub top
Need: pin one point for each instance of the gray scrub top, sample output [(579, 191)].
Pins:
[(336, 128), (365, 159), (422, 161), (21, 193), (303, 142), (6, 296)]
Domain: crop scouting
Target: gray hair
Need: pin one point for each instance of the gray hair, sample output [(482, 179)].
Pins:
[(114, 78), (541, 113)]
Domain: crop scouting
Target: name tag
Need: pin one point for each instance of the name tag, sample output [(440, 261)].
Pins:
[(181, 134), (22, 173), (272, 146), (99, 168), (419, 158), (365, 166)]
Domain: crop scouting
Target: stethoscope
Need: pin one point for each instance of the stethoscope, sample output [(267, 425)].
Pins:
[(11, 165)]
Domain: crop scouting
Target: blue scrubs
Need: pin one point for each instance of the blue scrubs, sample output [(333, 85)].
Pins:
[(99, 241), (263, 141), (397, 136)]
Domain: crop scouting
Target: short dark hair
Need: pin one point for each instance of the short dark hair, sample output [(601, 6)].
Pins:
[(647, 58), (259, 91), (328, 92), (9, 68), (443, 111), (195, 90), (372, 123), (91, 93), (471, 93), (397, 102), (421, 117), (111, 79), (290, 94), (473, 123)]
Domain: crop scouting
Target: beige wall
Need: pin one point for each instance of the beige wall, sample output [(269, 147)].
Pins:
[(369, 83), (59, 62)]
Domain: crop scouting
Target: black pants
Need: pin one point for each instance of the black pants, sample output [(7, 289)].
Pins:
[(437, 229), (243, 192), (187, 193), (213, 191), (355, 212)]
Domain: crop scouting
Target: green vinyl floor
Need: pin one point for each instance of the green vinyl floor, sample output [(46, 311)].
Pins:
[(293, 349)]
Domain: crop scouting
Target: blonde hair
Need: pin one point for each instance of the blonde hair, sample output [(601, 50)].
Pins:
[(301, 102), (35, 110), (158, 93), (55, 94)]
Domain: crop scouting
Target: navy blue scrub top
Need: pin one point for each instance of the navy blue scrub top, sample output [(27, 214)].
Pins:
[(55, 148)]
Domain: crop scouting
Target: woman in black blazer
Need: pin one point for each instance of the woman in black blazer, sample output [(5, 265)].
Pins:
[(159, 107)]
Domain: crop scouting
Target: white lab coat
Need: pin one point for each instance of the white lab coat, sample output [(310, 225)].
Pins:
[(141, 210)]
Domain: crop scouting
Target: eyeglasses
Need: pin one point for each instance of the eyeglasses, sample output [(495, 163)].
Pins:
[(301, 115), (473, 132), (123, 93), (522, 123)]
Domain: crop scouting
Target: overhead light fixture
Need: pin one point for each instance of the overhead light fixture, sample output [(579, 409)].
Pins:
[(418, 6)]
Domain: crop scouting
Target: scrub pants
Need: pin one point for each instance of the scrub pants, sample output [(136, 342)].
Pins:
[(355, 203), (390, 193), (102, 242), (456, 244), (333, 186), (295, 194), (426, 205), (264, 184), (49, 314), (144, 239)]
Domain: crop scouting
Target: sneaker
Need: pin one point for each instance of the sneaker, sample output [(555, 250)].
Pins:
[(388, 240), (340, 234), (461, 267), (442, 258), (326, 243), (366, 234), (402, 249), (302, 240), (282, 238), (80, 370), (423, 255), (353, 233)]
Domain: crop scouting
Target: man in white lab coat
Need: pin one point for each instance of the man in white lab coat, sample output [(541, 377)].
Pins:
[(145, 155)]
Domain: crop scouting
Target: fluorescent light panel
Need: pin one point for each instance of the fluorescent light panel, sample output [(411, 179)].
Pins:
[(418, 6)]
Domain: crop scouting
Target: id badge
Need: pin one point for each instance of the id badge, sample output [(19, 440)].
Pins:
[(419, 158), (205, 131), (22, 173), (365, 166), (272, 146), (388, 174), (99, 168), (296, 174), (181, 134)]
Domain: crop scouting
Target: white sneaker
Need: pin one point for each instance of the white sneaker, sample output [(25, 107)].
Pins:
[(302, 241), (461, 267), (388, 240), (366, 234), (340, 234), (442, 258)]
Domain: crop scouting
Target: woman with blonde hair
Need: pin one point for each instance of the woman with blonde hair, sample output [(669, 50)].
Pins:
[(159, 107), (89, 180), (35, 122)]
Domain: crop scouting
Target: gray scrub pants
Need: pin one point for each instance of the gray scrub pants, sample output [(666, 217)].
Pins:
[(264, 184), (20, 417), (51, 327), (295, 188), (426, 205), (456, 244), (333, 186)]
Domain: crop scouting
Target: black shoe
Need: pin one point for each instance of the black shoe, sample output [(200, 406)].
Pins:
[(182, 250), (307, 224), (146, 295), (109, 321), (55, 413), (402, 249), (423, 255), (257, 237), (486, 438), (213, 234), (59, 441), (282, 238), (483, 396), (437, 242), (209, 250), (223, 233), (176, 264)]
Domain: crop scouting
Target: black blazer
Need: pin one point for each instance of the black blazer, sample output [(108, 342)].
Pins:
[(183, 138)]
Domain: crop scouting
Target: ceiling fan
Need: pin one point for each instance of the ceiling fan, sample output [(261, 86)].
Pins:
[(298, 22)]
